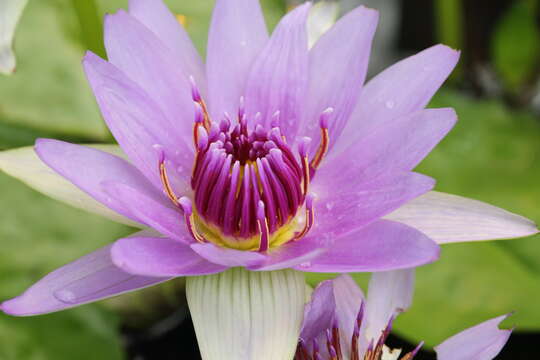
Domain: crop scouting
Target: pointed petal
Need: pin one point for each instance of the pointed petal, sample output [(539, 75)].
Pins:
[(10, 13), (137, 122), (398, 145), (226, 256), (334, 86), (381, 246), (389, 293), (90, 278), (449, 218), (237, 35), (155, 15), (143, 58), (403, 88), (279, 77), (346, 204), (289, 255), (25, 165), (481, 342), (153, 256), (87, 168), (319, 312), (160, 216), (322, 16), (349, 298), (241, 314)]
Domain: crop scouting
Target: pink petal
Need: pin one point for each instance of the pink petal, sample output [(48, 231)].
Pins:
[(90, 278), (397, 145), (289, 255), (237, 35), (344, 203), (381, 246), (319, 312), (155, 15), (401, 89), (226, 256), (278, 78), (153, 256), (164, 218), (481, 342), (389, 293), (140, 54), (137, 122), (87, 168), (337, 72)]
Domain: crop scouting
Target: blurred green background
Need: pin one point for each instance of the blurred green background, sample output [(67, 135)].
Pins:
[(492, 154)]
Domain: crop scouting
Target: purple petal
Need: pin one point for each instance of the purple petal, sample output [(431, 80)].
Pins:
[(278, 78), (136, 122), (401, 89), (237, 35), (389, 293), (349, 204), (167, 220), (319, 312), (290, 255), (153, 256), (155, 15), (226, 256), (338, 86), (90, 278), (381, 246), (397, 145), (139, 54), (481, 342), (87, 168), (349, 298)]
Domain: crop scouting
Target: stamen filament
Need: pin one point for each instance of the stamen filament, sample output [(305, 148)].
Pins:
[(325, 139), (165, 179), (186, 205), (263, 227), (310, 217), (303, 149)]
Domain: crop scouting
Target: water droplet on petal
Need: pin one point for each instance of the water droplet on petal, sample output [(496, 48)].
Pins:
[(389, 104), (305, 264), (66, 296), (329, 205)]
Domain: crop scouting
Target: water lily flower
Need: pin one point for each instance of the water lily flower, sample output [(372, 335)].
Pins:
[(270, 156), (341, 324)]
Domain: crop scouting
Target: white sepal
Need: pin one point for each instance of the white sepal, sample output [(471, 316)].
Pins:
[(10, 13), (245, 315), (449, 218), (25, 165), (322, 16)]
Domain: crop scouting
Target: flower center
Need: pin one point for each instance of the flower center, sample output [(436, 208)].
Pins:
[(248, 184), (334, 349)]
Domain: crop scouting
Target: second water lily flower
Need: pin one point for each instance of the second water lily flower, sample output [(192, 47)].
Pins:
[(270, 156), (340, 323)]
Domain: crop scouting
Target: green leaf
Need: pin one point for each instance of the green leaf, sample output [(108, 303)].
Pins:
[(516, 45), (49, 92), (491, 155), (85, 333), (38, 235)]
